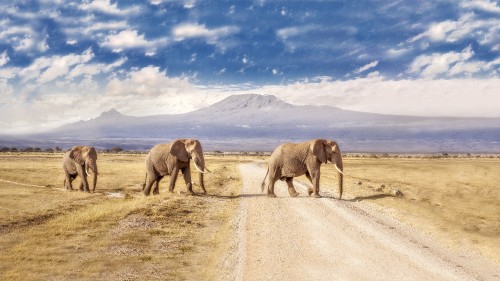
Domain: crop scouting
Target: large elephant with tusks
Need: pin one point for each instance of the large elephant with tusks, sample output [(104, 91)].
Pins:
[(169, 159), (291, 160)]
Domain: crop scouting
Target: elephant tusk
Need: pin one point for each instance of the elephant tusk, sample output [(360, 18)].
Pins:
[(338, 169), (87, 171), (197, 168), (206, 169)]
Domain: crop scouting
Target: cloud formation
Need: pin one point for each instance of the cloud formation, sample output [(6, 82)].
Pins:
[(172, 56)]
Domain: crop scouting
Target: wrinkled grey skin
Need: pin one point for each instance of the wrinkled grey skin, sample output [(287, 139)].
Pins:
[(77, 162), (291, 160), (169, 159)]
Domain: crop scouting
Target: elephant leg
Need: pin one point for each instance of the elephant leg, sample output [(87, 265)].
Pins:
[(291, 189), (274, 176), (310, 190), (151, 179), (67, 179), (315, 181), (83, 176), (270, 189), (156, 190), (186, 173), (67, 183), (173, 179), (80, 186)]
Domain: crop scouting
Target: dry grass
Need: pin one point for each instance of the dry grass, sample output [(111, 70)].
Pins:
[(456, 200), (48, 233)]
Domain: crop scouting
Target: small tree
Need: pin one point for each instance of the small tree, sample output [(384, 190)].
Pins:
[(5, 149), (13, 149), (28, 149), (116, 149), (49, 150), (37, 149), (58, 149)]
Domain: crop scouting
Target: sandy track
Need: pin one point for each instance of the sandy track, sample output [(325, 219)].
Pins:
[(306, 238)]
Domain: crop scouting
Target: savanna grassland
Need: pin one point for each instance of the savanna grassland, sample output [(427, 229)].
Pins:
[(47, 233)]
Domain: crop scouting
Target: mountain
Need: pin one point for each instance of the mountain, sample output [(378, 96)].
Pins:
[(261, 122)]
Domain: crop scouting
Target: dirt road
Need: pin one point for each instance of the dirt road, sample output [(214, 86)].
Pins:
[(306, 238)]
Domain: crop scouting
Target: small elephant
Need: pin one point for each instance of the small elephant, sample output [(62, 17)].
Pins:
[(169, 159), (77, 162), (291, 160)]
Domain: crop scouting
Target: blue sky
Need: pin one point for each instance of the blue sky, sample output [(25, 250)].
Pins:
[(62, 61)]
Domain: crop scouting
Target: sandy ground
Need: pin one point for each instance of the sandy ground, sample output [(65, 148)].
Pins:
[(306, 238)]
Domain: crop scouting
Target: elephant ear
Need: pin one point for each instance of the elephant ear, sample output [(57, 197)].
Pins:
[(78, 154), (193, 146), (178, 149), (317, 148)]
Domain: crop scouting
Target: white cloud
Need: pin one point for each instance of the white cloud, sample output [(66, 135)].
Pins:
[(46, 69), (130, 39), (430, 66), (148, 81), (105, 6), (465, 97), (294, 31), (187, 4), (484, 5), (396, 52), (43, 46), (8, 31), (59, 66), (366, 67), (112, 25), (186, 31), (468, 25), (4, 58)]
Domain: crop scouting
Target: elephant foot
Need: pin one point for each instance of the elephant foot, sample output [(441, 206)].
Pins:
[(316, 195), (171, 190), (310, 191), (271, 195)]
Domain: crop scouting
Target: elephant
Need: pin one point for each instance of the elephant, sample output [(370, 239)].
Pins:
[(291, 160), (169, 159), (77, 162)]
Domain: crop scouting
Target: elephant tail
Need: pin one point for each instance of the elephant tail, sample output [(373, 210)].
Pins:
[(264, 181)]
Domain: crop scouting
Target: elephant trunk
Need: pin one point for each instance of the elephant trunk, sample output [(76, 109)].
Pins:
[(93, 167), (94, 182)]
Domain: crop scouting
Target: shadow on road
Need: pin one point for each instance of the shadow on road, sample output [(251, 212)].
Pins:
[(371, 197), (234, 196)]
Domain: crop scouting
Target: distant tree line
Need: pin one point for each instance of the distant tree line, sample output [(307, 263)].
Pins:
[(53, 150), (30, 149)]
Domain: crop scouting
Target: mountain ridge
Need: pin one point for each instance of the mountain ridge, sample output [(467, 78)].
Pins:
[(252, 121)]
